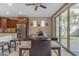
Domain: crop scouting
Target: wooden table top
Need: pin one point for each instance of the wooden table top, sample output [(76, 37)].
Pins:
[(40, 48)]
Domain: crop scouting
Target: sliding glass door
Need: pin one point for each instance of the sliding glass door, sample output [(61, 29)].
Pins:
[(67, 28), (63, 28), (57, 27), (74, 29)]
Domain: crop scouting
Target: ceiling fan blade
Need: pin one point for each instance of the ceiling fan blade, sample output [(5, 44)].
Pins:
[(29, 4), (43, 6), (36, 8)]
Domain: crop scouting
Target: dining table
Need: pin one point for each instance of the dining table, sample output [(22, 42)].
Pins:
[(38, 48), (41, 47)]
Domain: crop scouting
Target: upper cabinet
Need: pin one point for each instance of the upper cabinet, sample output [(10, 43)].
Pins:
[(0, 23), (22, 20), (3, 22), (11, 23)]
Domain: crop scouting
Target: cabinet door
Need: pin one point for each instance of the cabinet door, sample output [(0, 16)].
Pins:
[(3, 22), (0, 23), (22, 20), (11, 23)]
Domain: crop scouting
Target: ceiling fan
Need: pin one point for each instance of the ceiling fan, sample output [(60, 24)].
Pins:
[(36, 5)]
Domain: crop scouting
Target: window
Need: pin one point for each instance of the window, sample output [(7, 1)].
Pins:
[(57, 27), (42, 23), (67, 29), (63, 28), (34, 23), (74, 29)]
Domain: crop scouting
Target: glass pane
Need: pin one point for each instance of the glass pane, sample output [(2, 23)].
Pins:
[(63, 28), (74, 29), (57, 27)]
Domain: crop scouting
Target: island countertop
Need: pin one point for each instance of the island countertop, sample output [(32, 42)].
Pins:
[(5, 34), (6, 37)]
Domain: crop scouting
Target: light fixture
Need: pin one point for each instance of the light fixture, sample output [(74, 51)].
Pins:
[(7, 12), (20, 12), (10, 4)]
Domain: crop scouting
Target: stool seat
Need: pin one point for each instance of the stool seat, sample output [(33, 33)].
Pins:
[(14, 43), (2, 44)]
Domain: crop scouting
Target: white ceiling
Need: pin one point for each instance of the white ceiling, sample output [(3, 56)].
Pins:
[(19, 9)]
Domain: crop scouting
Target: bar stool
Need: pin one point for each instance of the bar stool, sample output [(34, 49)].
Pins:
[(2, 44)]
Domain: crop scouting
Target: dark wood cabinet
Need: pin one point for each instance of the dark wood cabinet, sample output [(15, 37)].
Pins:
[(22, 20), (3, 23), (11, 23), (0, 23)]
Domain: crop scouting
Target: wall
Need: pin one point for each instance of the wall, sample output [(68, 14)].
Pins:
[(46, 29)]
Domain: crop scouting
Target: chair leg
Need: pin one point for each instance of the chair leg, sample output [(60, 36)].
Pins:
[(59, 52), (30, 53), (20, 52)]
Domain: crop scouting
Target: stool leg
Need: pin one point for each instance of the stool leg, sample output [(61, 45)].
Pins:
[(9, 48), (2, 49), (15, 45), (19, 41), (10, 43)]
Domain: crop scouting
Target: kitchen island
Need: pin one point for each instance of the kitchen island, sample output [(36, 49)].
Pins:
[(6, 37)]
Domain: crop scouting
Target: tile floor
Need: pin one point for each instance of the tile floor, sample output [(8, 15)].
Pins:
[(16, 53)]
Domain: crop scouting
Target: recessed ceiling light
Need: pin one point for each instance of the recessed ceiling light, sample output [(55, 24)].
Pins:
[(20, 12), (7, 12), (10, 4)]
